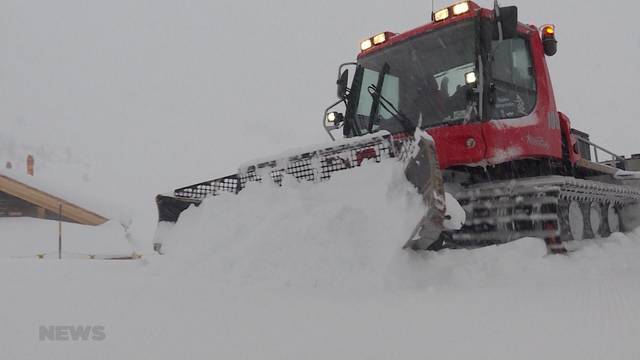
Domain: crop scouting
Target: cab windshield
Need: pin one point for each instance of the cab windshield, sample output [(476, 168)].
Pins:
[(423, 80)]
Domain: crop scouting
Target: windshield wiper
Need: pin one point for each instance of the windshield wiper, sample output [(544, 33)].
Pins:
[(375, 104), (408, 125)]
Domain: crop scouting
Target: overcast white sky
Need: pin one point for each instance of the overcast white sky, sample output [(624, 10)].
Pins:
[(161, 93)]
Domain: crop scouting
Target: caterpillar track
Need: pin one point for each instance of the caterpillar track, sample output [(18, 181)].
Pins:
[(557, 209)]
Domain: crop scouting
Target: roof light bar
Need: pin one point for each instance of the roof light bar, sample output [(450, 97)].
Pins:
[(441, 15), (461, 8), (379, 39), (375, 41), (455, 10), (366, 45)]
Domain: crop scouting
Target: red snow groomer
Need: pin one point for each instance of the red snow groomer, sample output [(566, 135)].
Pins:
[(476, 80)]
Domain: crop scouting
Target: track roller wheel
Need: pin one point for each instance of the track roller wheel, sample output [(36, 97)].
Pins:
[(595, 220), (575, 221), (613, 219)]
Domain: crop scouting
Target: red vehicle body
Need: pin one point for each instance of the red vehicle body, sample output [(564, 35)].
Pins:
[(491, 142)]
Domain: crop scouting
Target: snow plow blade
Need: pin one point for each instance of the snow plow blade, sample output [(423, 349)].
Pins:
[(423, 171), (317, 165)]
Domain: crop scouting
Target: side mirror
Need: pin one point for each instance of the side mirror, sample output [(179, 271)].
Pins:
[(550, 46), (507, 18), (342, 84)]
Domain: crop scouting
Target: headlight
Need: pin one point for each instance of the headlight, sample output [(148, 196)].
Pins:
[(334, 119), (471, 78)]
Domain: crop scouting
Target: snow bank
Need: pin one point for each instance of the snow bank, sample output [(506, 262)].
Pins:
[(343, 233)]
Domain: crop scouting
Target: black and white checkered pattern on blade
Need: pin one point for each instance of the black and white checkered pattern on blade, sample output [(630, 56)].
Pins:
[(313, 166)]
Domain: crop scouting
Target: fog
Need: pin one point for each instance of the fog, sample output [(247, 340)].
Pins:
[(158, 93)]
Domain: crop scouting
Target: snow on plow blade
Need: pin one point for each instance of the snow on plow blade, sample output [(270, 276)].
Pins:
[(318, 165)]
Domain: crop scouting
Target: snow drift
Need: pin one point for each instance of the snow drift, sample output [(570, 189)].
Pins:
[(316, 271), (324, 263), (343, 234)]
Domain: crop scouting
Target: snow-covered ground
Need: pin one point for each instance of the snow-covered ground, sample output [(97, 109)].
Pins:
[(24, 238), (317, 272)]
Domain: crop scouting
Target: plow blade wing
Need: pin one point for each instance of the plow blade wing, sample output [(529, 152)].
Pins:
[(318, 165)]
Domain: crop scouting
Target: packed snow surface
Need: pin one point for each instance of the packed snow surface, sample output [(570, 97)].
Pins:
[(316, 272), (24, 238)]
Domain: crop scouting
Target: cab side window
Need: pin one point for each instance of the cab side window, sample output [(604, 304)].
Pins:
[(514, 80)]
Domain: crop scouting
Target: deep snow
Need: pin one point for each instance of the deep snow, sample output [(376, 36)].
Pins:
[(316, 272), (345, 233)]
